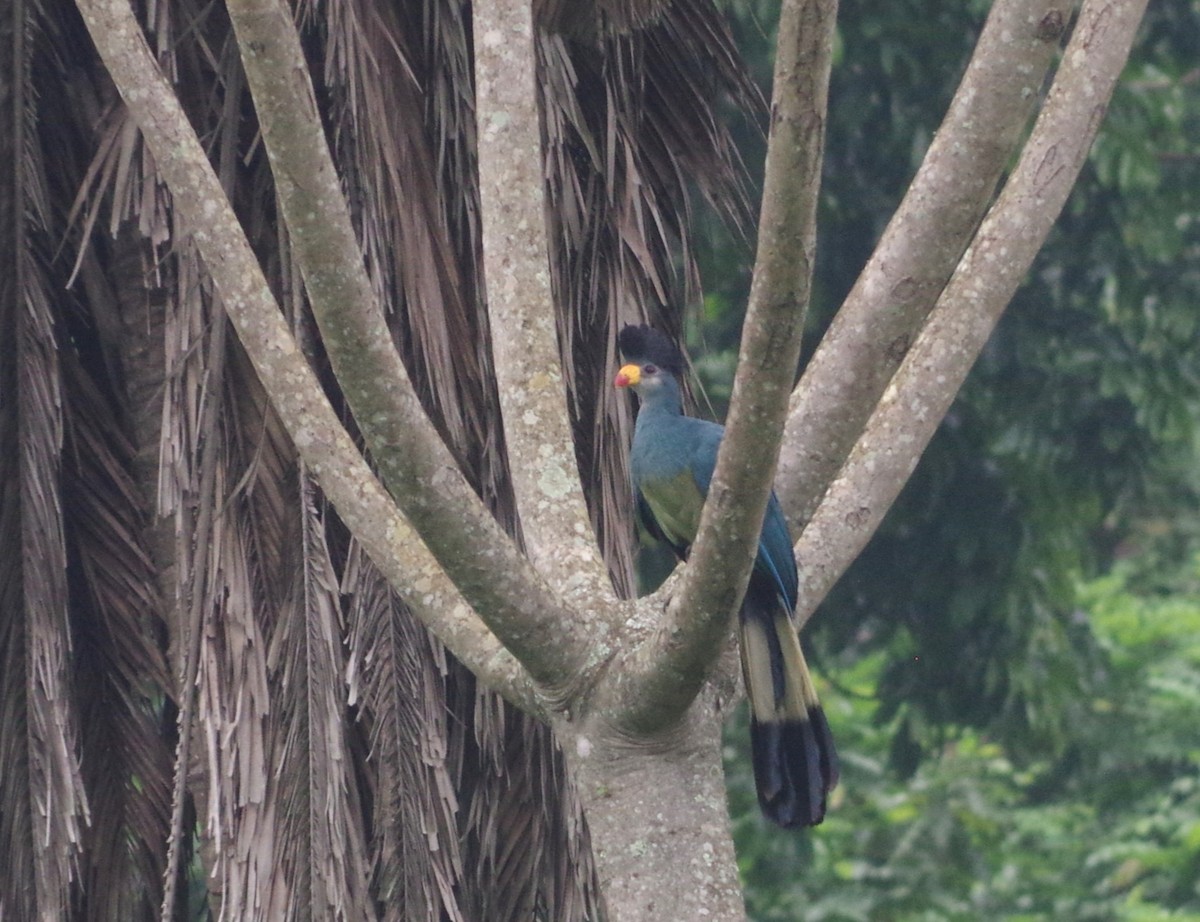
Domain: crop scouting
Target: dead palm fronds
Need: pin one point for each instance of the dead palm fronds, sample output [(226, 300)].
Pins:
[(162, 551)]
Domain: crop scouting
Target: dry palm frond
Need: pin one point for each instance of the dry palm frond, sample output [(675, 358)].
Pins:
[(16, 829), (321, 844), (631, 127), (210, 591), (120, 670), (525, 828), (121, 679), (186, 507), (584, 21), (398, 683), (43, 806), (217, 566)]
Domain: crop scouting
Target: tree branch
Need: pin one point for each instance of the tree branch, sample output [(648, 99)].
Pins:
[(1011, 235), (418, 469), (554, 519), (920, 247), (671, 667), (294, 390)]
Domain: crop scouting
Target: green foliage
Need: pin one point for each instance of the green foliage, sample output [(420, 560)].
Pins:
[(1109, 829), (1073, 441), (1015, 655)]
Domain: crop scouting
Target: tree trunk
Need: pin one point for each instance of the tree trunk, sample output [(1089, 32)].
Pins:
[(658, 819)]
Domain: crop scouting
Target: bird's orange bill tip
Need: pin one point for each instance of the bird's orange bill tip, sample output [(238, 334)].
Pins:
[(628, 376)]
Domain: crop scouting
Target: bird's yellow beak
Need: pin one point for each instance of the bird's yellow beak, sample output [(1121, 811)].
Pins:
[(628, 376)]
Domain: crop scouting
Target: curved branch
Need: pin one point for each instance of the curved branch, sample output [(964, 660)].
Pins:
[(671, 667), (294, 390), (920, 247), (537, 430), (1011, 235), (484, 563)]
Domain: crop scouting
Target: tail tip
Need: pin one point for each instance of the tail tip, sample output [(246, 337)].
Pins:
[(795, 768)]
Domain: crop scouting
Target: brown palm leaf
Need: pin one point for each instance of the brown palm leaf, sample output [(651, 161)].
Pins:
[(162, 552), (398, 680), (630, 126)]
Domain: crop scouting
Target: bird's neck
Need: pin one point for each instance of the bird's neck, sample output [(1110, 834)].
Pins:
[(664, 401)]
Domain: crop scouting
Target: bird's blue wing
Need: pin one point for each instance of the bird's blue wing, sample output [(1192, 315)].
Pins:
[(672, 484), (776, 560)]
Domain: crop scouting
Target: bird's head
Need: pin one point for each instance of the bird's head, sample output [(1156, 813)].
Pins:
[(639, 377), (651, 359)]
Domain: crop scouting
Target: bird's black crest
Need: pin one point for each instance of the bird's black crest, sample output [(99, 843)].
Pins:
[(645, 345)]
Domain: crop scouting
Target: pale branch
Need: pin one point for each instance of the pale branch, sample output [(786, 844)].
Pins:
[(920, 247), (1010, 236), (413, 461), (555, 525), (671, 667), (293, 388)]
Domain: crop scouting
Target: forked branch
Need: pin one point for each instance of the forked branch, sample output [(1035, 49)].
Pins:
[(919, 249), (1011, 235), (419, 470)]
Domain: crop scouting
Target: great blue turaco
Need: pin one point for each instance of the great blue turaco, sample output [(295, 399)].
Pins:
[(671, 463)]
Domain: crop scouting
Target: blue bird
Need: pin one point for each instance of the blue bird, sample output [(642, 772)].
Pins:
[(671, 463)]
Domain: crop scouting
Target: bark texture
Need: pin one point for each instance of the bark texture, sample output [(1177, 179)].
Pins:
[(659, 822), (982, 285), (918, 251)]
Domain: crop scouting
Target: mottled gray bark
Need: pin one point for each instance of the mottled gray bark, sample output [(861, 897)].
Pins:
[(294, 390), (658, 818), (1011, 235), (919, 249), (537, 430)]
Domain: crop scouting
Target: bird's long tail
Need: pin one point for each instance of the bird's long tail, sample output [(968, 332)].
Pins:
[(795, 763)]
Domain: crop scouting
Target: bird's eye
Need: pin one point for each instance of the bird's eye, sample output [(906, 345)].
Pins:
[(649, 369)]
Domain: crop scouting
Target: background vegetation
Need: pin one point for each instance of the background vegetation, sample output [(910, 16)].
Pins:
[(1015, 660), (1012, 668)]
